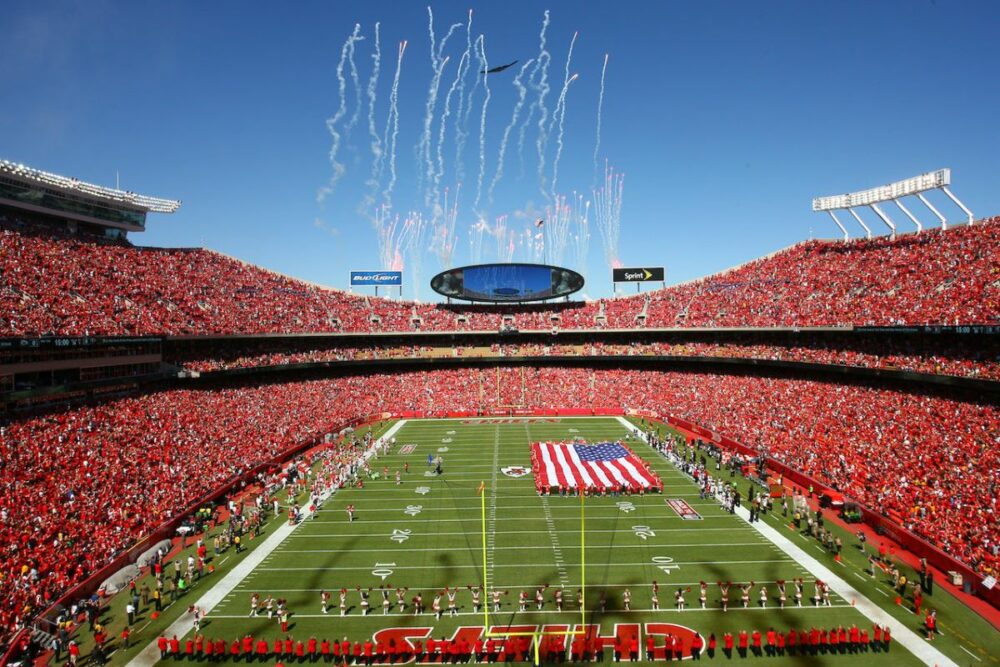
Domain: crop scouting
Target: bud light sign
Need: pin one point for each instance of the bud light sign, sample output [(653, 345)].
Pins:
[(377, 278)]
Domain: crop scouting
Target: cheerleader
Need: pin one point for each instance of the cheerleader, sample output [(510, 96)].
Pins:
[(627, 599), (386, 602), (724, 597), (418, 604), (703, 595), (475, 598), (324, 601), (343, 603), (400, 599), (436, 606), (763, 597), (452, 608), (522, 601), (781, 593), (364, 600), (745, 595), (557, 595), (655, 599), (798, 592), (679, 599)]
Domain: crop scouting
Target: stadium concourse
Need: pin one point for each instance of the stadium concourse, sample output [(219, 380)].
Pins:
[(84, 286)]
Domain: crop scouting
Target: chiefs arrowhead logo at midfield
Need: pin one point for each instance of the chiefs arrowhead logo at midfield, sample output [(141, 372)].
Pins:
[(515, 471)]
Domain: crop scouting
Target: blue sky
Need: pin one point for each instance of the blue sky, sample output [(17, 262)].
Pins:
[(726, 118)]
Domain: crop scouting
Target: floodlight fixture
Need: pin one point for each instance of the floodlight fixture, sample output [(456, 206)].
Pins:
[(893, 192), (114, 195)]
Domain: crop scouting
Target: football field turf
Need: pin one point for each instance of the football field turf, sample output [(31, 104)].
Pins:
[(426, 534)]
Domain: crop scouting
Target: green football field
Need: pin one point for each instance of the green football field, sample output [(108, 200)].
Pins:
[(426, 534)]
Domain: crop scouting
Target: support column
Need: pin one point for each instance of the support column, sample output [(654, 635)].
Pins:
[(889, 223), (957, 202), (847, 237), (860, 222), (909, 215), (944, 221)]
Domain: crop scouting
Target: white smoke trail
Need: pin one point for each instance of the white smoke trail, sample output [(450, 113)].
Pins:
[(439, 172), (481, 45), (560, 111), (331, 123), (376, 142), (541, 65), (464, 104), (521, 93), (608, 213), (437, 67), (581, 233), (443, 239), (558, 217), (477, 231), (393, 118), (356, 82), (600, 106), (541, 87)]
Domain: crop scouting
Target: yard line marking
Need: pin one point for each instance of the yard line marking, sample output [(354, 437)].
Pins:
[(558, 552), (734, 529), (214, 596), (859, 576), (367, 568), (516, 518), (969, 652), (223, 560), (569, 612)]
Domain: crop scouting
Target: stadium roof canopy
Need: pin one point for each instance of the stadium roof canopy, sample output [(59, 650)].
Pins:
[(44, 192)]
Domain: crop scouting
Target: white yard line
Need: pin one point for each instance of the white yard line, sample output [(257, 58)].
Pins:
[(569, 612), (215, 595), (527, 566), (900, 633), (398, 550)]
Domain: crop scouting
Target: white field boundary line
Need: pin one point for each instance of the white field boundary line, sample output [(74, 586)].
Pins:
[(900, 633), (224, 587)]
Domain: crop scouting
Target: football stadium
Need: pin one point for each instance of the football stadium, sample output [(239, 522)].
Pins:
[(545, 454)]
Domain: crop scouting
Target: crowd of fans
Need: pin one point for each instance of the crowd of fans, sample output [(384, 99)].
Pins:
[(948, 359), (53, 284), (79, 486)]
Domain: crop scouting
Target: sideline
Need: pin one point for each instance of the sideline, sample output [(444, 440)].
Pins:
[(901, 634), (183, 625)]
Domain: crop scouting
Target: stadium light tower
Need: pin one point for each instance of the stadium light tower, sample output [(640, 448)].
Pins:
[(917, 186)]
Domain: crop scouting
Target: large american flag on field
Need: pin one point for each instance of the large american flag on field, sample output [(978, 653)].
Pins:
[(600, 466)]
